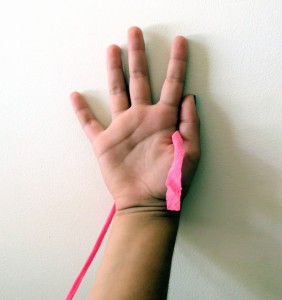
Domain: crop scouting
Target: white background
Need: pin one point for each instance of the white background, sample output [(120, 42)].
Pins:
[(52, 197)]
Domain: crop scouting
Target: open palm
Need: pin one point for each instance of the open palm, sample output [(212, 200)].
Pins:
[(135, 152)]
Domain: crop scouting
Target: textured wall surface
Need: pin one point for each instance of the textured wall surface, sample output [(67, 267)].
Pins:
[(53, 200)]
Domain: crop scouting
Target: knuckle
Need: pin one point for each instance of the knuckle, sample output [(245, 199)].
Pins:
[(138, 73), (194, 154), (116, 89), (197, 121), (173, 78), (84, 115)]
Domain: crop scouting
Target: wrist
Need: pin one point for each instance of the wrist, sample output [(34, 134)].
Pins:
[(140, 215), (151, 206), (131, 202), (139, 250)]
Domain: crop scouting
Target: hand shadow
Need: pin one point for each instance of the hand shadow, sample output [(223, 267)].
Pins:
[(231, 212)]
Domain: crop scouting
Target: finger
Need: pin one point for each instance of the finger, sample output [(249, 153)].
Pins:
[(189, 128), (117, 86), (139, 85), (172, 89), (88, 121)]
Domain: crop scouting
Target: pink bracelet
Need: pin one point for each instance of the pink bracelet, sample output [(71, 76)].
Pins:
[(173, 195)]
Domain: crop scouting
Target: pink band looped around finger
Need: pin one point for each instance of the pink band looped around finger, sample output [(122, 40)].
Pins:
[(174, 177)]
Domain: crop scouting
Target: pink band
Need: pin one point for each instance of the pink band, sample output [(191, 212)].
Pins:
[(174, 177), (92, 254)]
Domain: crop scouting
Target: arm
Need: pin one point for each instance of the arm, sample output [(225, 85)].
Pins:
[(137, 260), (135, 153)]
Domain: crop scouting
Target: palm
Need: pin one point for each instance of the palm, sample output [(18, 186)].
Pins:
[(139, 156), (135, 152)]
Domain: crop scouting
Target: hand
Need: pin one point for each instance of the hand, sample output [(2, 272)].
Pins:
[(135, 151)]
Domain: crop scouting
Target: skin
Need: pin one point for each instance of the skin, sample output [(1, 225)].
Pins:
[(135, 153)]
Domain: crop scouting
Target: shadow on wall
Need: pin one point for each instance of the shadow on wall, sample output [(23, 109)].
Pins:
[(231, 214)]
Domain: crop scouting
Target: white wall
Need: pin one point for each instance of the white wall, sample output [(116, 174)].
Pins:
[(52, 198)]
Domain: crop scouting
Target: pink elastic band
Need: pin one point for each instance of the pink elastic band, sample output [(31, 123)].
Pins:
[(92, 254), (173, 180), (173, 195)]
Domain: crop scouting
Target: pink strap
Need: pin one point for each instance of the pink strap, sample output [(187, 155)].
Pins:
[(92, 254), (173, 194), (173, 180)]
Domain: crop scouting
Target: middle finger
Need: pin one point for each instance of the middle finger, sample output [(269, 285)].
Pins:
[(139, 86)]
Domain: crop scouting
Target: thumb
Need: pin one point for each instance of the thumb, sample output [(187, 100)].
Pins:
[(189, 128)]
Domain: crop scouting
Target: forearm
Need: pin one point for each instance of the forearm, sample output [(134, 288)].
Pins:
[(137, 260)]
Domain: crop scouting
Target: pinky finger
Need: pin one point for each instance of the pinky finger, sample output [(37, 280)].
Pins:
[(91, 126)]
